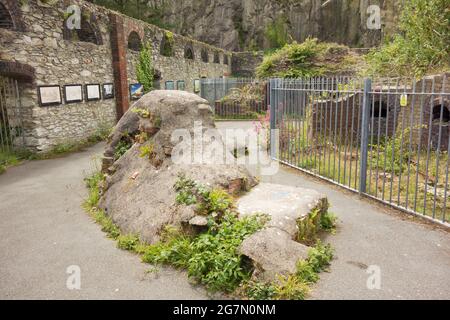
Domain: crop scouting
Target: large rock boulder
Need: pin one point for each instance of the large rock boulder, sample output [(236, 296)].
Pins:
[(139, 194)]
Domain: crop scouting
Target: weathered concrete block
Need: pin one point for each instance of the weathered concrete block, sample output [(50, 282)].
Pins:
[(286, 205), (273, 252)]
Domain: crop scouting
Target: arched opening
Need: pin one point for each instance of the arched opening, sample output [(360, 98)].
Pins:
[(188, 52), (439, 110), (216, 57), (440, 116), (6, 21), (134, 41), (88, 32), (225, 59), (380, 109), (205, 57), (167, 45)]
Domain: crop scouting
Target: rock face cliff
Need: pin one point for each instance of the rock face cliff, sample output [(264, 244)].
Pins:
[(243, 24)]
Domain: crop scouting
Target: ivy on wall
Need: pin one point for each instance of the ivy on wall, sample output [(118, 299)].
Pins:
[(144, 68)]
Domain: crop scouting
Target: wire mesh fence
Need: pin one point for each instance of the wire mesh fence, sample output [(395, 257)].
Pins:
[(236, 98), (385, 138)]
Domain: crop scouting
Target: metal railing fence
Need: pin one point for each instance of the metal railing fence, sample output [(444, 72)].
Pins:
[(236, 98), (384, 138), (11, 118)]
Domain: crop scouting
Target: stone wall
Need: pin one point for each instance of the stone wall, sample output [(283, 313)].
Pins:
[(176, 67), (58, 57)]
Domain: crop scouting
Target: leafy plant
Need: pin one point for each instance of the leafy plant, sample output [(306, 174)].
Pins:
[(122, 147), (256, 290), (144, 113), (128, 242), (290, 288), (147, 150), (93, 183), (328, 221), (144, 67), (185, 189), (214, 202), (211, 258)]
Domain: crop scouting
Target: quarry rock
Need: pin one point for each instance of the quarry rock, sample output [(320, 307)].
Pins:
[(146, 204)]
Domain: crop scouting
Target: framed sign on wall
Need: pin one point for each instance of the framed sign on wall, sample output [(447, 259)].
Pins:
[(49, 95), (170, 85), (181, 85), (197, 85), (136, 91), (93, 92), (108, 90), (73, 93)]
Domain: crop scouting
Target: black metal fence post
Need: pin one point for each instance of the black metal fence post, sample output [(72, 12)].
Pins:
[(365, 134)]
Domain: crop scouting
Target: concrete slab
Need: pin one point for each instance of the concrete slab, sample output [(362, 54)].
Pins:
[(273, 253), (285, 204)]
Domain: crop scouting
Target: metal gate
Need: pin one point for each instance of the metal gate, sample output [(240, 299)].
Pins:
[(387, 139), (11, 120)]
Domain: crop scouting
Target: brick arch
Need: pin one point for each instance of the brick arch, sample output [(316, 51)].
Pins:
[(11, 16), (134, 41)]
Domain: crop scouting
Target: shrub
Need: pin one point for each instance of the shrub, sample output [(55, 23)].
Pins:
[(422, 45), (308, 59)]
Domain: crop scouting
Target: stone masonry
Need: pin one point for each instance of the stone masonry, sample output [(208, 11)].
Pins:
[(40, 40)]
